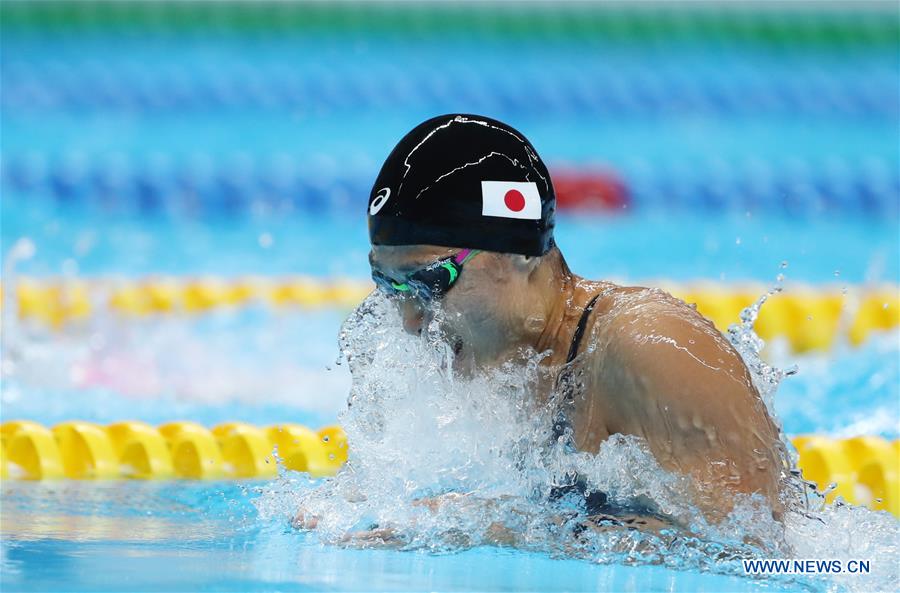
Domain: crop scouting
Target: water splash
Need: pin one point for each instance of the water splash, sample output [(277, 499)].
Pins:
[(814, 529), (419, 432), (441, 462)]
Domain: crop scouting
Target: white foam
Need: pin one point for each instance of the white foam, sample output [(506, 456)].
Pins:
[(417, 431)]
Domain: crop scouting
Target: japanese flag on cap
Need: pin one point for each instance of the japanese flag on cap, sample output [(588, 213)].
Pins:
[(511, 199)]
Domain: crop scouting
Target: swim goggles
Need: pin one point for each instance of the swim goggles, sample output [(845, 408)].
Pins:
[(429, 283)]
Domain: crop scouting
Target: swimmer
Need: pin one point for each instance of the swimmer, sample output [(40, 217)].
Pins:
[(462, 214)]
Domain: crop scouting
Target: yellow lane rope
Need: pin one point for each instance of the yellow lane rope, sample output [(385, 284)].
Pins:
[(810, 318), (865, 469), (84, 450)]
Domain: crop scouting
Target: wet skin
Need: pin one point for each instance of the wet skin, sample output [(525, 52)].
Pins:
[(651, 365)]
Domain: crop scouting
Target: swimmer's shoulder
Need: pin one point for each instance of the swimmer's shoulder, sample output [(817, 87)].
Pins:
[(647, 328), (631, 324), (617, 304)]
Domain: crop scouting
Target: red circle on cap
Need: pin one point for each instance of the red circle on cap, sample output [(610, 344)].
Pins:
[(514, 200)]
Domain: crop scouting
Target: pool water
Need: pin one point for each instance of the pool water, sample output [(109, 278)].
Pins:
[(753, 149), (172, 536), (266, 366), (212, 368), (140, 536), (728, 247)]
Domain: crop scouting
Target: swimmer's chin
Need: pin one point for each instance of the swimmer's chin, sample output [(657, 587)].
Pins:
[(466, 360), (463, 364)]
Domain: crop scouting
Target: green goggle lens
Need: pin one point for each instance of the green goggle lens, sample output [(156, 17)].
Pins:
[(429, 283)]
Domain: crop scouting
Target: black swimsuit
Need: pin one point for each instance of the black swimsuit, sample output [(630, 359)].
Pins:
[(565, 383), (595, 501)]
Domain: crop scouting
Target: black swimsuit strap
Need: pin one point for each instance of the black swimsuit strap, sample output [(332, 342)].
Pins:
[(595, 502), (579, 329), (564, 383)]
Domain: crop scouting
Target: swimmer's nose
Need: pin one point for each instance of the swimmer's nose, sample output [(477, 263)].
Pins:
[(413, 318)]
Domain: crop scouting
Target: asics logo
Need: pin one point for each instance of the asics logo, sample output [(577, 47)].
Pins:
[(380, 200)]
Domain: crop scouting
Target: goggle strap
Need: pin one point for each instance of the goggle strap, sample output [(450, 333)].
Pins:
[(465, 255)]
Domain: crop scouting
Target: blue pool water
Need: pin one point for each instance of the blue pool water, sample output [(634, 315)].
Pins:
[(264, 367), (187, 536), (632, 247), (205, 155), (92, 537)]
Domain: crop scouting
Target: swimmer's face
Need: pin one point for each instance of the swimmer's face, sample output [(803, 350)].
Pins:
[(479, 314)]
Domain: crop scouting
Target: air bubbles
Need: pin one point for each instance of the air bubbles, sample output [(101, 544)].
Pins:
[(781, 277)]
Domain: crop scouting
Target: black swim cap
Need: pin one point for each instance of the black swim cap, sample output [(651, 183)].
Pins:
[(464, 181)]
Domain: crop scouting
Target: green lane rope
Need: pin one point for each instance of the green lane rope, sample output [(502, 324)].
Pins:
[(875, 24)]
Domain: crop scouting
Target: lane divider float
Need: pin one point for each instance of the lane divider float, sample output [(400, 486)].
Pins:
[(864, 469), (235, 185), (825, 26), (810, 318), (86, 451)]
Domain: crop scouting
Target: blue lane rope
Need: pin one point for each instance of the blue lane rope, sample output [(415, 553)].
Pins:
[(866, 187), (868, 92)]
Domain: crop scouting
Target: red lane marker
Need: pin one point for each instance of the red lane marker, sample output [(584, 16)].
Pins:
[(589, 190)]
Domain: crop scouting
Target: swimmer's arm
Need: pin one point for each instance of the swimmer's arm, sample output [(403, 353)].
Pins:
[(510, 532), (505, 533), (679, 384), (496, 533)]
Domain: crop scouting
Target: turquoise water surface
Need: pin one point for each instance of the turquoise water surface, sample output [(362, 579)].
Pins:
[(195, 154)]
